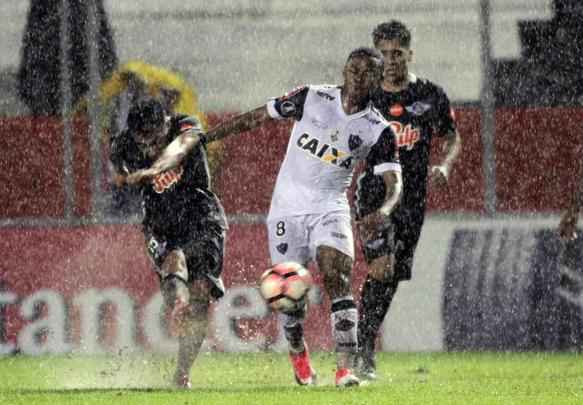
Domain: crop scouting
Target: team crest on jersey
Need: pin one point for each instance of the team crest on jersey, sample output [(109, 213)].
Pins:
[(323, 151), (354, 142), (418, 108), (164, 181), (334, 136), (407, 136)]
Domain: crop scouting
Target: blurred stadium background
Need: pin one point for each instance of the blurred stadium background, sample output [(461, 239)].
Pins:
[(490, 272)]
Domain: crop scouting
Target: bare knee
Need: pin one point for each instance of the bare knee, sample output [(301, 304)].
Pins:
[(175, 264)]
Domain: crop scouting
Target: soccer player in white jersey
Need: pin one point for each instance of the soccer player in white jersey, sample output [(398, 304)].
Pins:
[(309, 218)]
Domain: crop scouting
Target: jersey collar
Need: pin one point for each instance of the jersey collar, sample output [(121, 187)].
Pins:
[(358, 114)]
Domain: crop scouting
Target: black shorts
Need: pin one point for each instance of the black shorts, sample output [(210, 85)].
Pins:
[(400, 237), (203, 246)]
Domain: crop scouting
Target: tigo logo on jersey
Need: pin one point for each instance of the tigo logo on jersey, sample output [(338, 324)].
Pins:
[(396, 110), (164, 181), (407, 136), (323, 151)]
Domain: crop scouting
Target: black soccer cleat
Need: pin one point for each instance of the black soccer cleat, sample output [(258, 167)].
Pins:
[(366, 366)]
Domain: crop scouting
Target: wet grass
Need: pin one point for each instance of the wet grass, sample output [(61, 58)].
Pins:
[(265, 378)]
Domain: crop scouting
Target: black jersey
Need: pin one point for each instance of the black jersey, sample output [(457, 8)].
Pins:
[(415, 114), (176, 200)]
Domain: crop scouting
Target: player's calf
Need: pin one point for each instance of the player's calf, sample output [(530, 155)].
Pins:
[(176, 297)]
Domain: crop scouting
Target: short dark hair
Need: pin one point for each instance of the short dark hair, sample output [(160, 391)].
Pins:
[(366, 52), (147, 114), (392, 30)]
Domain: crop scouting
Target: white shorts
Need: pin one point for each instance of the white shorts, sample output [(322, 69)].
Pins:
[(296, 238)]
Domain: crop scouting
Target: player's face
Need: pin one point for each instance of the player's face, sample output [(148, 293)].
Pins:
[(151, 142), (360, 76), (396, 60)]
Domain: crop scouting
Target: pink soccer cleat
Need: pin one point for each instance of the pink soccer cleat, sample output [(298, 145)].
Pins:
[(345, 378), (303, 371)]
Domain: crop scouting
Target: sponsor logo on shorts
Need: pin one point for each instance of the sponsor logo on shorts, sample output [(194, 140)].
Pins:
[(282, 248), (329, 222), (338, 235)]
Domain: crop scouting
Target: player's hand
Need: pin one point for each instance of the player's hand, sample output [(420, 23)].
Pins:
[(568, 225), (118, 180), (439, 176), (141, 176)]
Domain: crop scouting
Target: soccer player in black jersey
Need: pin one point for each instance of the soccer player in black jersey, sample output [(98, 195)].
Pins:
[(417, 110), (184, 223)]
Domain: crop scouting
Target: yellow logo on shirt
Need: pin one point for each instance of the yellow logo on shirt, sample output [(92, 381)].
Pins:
[(323, 151)]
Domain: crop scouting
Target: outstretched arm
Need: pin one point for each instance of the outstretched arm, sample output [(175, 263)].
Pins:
[(180, 147), (453, 145)]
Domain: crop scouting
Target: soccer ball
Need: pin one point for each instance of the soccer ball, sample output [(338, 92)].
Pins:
[(285, 286)]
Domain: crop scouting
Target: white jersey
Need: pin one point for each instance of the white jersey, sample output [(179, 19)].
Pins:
[(323, 148)]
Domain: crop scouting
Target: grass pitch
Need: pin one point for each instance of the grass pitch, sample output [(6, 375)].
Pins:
[(266, 378)]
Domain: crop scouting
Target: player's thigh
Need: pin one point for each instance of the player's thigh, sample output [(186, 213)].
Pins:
[(288, 239), (333, 230), (205, 251)]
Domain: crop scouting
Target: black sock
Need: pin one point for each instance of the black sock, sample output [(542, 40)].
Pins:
[(375, 300), (294, 329)]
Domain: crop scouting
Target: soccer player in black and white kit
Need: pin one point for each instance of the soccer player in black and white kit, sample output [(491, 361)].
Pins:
[(309, 218), (184, 223), (417, 110)]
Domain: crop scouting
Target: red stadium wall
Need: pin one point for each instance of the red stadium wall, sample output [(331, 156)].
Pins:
[(75, 266), (535, 153)]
